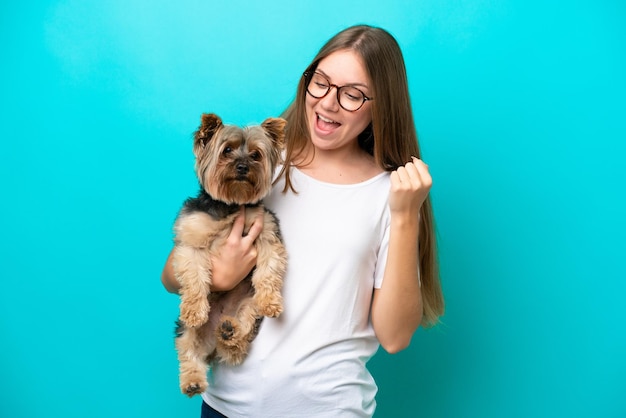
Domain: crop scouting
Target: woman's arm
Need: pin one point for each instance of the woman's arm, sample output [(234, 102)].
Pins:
[(397, 306), (234, 261), (167, 276)]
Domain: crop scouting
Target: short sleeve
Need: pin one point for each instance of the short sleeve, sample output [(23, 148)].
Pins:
[(381, 262)]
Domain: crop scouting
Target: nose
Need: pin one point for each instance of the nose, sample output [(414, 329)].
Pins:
[(330, 101), (242, 168)]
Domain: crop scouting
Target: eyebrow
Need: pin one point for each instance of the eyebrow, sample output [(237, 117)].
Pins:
[(349, 84)]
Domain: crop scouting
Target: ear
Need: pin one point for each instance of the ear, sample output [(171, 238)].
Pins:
[(275, 127), (210, 125)]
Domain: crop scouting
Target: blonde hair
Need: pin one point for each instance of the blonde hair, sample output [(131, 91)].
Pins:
[(391, 137)]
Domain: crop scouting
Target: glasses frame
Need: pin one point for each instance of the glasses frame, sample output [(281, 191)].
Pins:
[(308, 76)]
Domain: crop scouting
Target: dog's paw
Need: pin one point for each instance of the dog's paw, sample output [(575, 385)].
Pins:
[(269, 304), (193, 388), (227, 330), (272, 310), (194, 318), (229, 333)]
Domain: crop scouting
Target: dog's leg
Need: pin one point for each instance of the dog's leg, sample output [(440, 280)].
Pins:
[(234, 333), (267, 277), (194, 274), (195, 346)]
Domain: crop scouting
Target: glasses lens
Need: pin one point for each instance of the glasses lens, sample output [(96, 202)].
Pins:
[(318, 86), (350, 98)]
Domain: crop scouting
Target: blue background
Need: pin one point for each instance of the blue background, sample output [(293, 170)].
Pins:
[(521, 116)]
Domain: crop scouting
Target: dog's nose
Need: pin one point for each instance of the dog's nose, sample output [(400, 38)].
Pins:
[(242, 169)]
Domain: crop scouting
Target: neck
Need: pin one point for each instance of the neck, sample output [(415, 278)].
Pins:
[(345, 166)]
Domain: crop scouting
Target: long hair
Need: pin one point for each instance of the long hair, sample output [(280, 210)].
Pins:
[(390, 138)]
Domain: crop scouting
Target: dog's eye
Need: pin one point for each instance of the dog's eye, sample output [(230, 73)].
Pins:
[(255, 155), (227, 150)]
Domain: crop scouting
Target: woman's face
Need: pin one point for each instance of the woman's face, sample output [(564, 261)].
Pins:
[(331, 127)]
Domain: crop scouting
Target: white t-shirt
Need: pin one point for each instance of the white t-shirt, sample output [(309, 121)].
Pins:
[(310, 362)]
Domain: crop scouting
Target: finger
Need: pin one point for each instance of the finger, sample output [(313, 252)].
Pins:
[(412, 170), (395, 179), (402, 175), (240, 220), (422, 169), (420, 165), (419, 162), (408, 177), (256, 227)]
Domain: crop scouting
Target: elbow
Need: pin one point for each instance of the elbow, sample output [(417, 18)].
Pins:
[(396, 345), (168, 277), (170, 284), (394, 330), (394, 341)]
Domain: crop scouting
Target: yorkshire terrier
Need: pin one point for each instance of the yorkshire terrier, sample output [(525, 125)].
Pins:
[(235, 167)]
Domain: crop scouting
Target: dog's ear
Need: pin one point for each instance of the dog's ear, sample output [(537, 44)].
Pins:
[(210, 124), (275, 127)]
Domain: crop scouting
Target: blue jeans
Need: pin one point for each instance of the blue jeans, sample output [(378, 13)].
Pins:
[(208, 412)]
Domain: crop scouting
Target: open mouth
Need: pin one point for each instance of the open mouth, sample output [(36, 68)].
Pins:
[(326, 125), (326, 121)]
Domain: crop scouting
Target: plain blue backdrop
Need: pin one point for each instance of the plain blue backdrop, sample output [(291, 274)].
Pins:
[(521, 116)]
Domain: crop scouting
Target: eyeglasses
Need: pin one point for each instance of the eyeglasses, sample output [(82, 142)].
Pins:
[(349, 98)]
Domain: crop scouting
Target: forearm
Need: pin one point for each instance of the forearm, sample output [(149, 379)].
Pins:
[(225, 272), (397, 306)]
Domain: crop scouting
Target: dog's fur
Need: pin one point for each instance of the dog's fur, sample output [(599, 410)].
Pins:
[(235, 167)]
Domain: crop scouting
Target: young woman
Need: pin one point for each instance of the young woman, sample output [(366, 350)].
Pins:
[(352, 200)]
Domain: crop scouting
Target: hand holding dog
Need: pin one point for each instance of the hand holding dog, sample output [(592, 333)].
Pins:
[(238, 256), (410, 185), (232, 264)]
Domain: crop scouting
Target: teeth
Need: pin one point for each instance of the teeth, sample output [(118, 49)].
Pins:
[(323, 119)]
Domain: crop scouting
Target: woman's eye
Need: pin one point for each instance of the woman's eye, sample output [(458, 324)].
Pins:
[(354, 97)]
